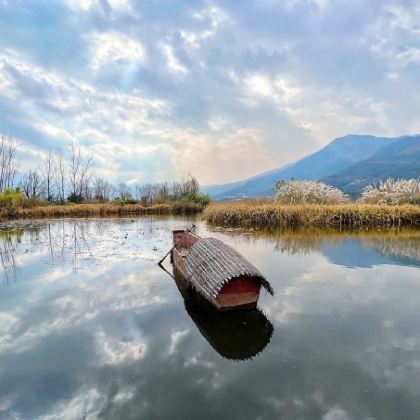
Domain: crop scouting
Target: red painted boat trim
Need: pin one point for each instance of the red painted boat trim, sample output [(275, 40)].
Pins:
[(240, 285)]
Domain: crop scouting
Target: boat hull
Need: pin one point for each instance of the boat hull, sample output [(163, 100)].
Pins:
[(239, 293)]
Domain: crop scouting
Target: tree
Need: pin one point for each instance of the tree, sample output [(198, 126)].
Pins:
[(102, 189), (49, 173), (123, 191), (61, 176), (137, 192), (33, 186), (8, 164), (147, 193), (163, 192), (80, 172), (190, 187)]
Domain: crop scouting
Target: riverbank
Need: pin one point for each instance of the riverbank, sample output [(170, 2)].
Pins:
[(97, 209), (264, 215)]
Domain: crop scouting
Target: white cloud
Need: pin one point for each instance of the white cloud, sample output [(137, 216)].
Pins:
[(114, 351), (323, 112), (259, 85), (396, 35), (6, 83), (81, 106), (83, 5), (216, 16), (232, 79), (86, 5), (409, 55), (87, 403), (335, 413), (213, 19), (120, 5), (405, 18), (176, 338), (110, 47), (173, 63), (393, 75)]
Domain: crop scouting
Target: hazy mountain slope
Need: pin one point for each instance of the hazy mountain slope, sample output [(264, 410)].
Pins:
[(399, 159), (221, 189), (336, 156)]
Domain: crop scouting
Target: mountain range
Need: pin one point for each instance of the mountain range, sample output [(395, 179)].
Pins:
[(349, 163)]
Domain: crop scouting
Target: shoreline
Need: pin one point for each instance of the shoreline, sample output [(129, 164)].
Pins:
[(267, 215)]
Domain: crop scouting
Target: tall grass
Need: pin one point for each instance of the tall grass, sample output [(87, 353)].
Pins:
[(393, 191), (269, 215), (97, 209)]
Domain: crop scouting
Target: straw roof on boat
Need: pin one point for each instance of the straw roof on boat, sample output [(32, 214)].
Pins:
[(210, 264)]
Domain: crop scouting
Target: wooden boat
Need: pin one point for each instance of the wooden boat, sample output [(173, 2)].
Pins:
[(217, 271), (235, 335)]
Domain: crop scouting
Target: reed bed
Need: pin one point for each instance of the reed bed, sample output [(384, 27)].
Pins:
[(272, 215), (99, 210)]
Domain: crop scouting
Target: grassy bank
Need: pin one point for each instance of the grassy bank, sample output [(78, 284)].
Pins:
[(271, 215), (97, 209)]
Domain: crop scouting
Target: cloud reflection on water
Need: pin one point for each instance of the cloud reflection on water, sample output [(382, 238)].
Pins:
[(109, 337)]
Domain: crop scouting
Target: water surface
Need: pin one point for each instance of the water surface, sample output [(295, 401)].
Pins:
[(91, 326)]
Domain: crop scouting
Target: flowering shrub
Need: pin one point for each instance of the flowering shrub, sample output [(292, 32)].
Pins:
[(392, 191), (308, 192)]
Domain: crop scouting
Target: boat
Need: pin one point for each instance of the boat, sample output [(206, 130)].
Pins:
[(217, 271), (235, 335)]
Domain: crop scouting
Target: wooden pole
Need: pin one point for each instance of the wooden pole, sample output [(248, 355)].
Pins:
[(163, 259)]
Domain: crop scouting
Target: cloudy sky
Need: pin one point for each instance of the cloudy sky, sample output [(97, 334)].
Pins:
[(223, 89)]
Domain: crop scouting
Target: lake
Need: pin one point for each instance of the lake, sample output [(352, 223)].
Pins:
[(91, 327)]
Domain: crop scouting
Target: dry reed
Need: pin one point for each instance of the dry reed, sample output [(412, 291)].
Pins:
[(97, 209), (272, 215)]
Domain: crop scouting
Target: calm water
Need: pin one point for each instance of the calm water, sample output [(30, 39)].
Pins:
[(91, 327)]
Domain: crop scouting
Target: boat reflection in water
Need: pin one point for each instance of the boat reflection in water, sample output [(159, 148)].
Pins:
[(235, 335)]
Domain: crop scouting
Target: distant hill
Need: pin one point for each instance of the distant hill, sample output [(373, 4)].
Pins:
[(337, 156), (398, 159)]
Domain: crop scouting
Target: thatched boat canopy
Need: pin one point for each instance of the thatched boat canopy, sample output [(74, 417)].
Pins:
[(210, 264)]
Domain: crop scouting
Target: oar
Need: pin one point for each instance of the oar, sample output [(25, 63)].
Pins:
[(164, 269), (163, 259)]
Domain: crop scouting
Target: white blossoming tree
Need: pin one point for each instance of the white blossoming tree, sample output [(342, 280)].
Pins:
[(308, 192), (392, 191)]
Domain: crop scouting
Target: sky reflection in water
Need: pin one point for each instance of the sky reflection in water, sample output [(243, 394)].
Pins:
[(89, 324)]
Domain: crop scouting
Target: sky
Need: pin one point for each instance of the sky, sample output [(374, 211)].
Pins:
[(221, 89)]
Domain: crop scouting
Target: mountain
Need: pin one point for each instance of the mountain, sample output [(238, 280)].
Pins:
[(397, 159), (223, 190), (340, 154)]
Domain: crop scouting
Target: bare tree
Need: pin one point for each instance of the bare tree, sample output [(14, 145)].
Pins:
[(137, 192), (176, 191), (61, 176), (162, 192), (8, 164), (102, 189), (86, 175), (124, 192), (49, 173), (80, 172), (190, 186), (147, 193), (33, 186)]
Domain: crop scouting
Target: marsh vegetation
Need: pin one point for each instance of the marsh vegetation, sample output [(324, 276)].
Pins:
[(310, 203), (263, 214)]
